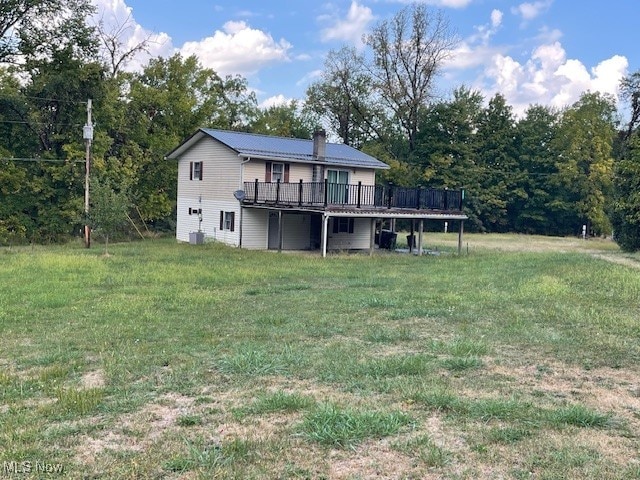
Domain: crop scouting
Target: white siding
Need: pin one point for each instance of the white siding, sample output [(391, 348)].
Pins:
[(255, 225), (358, 240), (214, 193), (256, 169), (366, 176)]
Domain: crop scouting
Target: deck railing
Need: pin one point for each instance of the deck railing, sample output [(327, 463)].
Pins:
[(326, 194)]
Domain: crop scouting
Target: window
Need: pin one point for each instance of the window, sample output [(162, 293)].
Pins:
[(195, 172), (227, 220), (275, 172), (343, 225)]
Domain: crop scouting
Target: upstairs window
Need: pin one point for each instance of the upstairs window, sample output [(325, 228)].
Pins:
[(275, 172), (195, 171)]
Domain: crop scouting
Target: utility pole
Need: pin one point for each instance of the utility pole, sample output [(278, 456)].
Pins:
[(87, 134)]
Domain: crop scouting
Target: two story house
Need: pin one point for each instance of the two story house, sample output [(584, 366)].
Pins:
[(266, 192)]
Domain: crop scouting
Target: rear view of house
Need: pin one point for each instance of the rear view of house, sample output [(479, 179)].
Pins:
[(264, 192)]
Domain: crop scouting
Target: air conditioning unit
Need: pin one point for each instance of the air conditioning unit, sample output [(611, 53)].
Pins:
[(196, 238)]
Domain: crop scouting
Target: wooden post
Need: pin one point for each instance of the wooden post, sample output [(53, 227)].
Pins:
[(420, 230), (460, 237), (300, 194)]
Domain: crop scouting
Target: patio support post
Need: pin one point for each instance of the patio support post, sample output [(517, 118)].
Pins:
[(420, 230), (460, 237), (413, 231), (325, 228), (280, 236)]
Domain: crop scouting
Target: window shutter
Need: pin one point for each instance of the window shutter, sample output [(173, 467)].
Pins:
[(221, 220), (189, 210), (267, 173), (201, 168), (233, 221), (351, 222), (336, 225), (286, 173), (190, 170)]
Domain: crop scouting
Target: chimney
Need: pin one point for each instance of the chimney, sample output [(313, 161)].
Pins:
[(319, 144)]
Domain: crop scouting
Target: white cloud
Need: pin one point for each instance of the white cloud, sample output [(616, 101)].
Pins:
[(238, 49), (441, 3), (349, 29), (116, 18), (530, 10), (496, 18), (548, 77), (275, 101)]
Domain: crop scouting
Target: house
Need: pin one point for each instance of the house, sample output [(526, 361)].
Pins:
[(265, 192)]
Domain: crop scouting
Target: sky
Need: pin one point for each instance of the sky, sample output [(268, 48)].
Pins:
[(544, 52)]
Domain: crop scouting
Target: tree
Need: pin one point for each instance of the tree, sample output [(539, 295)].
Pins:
[(585, 164), (625, 207), (37, 28), (344, 98), (537, 162), (408, 52), (108, 210), (283, 120)]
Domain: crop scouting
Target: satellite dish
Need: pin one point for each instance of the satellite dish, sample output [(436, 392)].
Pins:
[(240, 195)]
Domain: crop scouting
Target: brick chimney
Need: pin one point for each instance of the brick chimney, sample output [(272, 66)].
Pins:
[(319, 144)]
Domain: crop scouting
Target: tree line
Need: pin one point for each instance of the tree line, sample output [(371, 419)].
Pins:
[(547, 171)]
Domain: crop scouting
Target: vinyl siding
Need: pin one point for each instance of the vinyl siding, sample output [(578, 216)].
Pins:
[(358, 240), (366, 176), (220, 178), (256, 169), (255, 225)]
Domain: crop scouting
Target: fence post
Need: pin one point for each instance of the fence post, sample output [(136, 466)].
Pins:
[(359, 193), (300, 194), (446, 199), (418, 198), (389, 195), (255, 192), (278, 192)]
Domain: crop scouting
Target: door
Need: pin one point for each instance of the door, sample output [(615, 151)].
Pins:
[(274, 231), (338, 181)]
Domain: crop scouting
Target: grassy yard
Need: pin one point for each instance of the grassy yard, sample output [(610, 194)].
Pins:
[(518, 360)]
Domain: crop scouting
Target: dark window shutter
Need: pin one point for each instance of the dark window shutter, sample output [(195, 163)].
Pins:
[(190, 170), (336, 225), (267, 173), (201, 168), (233, 221), (221, 220), (351, 222), (286, 173), (189, 210)]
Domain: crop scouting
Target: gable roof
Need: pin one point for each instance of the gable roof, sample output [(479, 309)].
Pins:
[(251, 145)]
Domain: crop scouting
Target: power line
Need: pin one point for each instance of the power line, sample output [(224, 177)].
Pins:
[(23, 122), (34, 159), (20, 96)]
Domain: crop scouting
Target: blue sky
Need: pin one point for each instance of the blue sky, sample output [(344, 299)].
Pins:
[(536, 51)]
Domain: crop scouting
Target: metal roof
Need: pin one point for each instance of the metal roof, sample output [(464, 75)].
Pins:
[(282, 148)]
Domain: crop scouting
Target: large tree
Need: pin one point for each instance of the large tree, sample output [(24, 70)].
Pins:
[(344, 98), (585, 165), (408, 52)]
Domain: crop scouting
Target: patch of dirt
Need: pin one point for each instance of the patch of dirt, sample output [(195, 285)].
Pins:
[(93, 379)]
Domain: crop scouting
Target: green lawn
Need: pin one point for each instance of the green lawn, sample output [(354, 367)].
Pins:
[(164, 360)]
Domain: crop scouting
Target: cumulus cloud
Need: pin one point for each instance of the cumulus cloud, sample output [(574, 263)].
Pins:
[(441, 3), (116, 19), (238, 49), (530, 10), (548, 77), (275, 101), (476, 49), (349, 29)]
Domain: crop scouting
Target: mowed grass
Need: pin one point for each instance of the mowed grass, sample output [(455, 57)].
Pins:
[(518, 360)]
